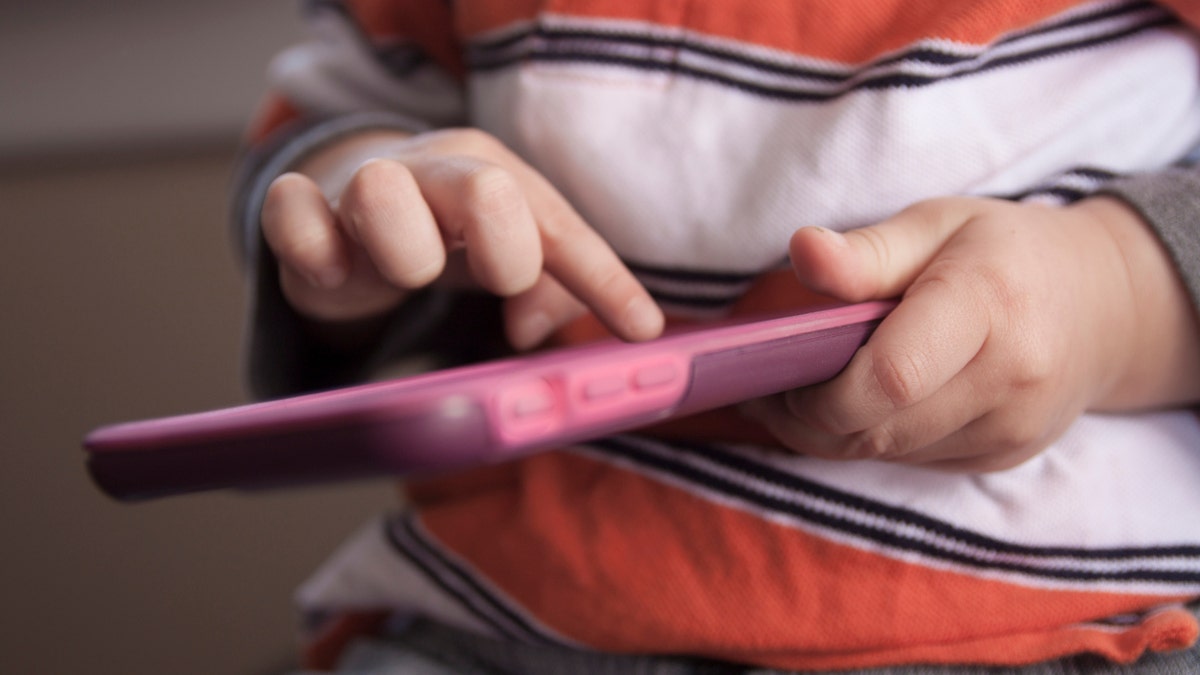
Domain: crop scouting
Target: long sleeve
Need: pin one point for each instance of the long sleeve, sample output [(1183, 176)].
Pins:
[(1170, 203)]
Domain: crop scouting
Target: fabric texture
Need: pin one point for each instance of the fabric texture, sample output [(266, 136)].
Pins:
[(1170, 202), (430, 648), (695, 137)]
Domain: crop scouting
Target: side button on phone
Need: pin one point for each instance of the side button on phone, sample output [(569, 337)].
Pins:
[(655, 375), (603, 389), (527, 411)]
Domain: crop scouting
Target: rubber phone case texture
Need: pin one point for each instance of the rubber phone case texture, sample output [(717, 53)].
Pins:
[(476, 414)]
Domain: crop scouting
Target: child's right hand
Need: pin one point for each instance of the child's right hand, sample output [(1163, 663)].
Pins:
[(369, 219)]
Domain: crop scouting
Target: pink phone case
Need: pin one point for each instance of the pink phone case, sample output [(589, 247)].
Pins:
[(476, 414)]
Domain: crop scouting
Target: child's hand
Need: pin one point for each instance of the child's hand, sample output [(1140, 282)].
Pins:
[(378, 215), (1014, 320)]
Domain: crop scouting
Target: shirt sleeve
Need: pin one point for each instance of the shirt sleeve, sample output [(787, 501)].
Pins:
[(369, 64), (1170, 202)]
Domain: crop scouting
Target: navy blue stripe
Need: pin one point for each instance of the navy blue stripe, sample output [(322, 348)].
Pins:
[(1080, 20), (528, 632), (691, 276), (903, 517), (694, 301), (1055, 187), (480, 60), (918, 55), (1064, 195), (730, 285), (893, 513)]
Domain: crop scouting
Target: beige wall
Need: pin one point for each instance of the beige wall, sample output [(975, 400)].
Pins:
[(120, 299)]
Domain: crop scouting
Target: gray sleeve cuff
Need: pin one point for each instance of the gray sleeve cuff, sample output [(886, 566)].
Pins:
[(1170, 203)]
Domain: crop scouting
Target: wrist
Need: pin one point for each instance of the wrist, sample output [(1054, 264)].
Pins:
[(1155, 360)]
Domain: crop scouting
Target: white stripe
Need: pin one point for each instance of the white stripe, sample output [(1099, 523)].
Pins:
[(485, 604), (876, 478), (1109, 482), (367, 573), (910, 530), (894, 63), (677, 172), (338, 74)]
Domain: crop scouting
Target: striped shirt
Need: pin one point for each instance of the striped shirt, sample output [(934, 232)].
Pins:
[(696, 136)]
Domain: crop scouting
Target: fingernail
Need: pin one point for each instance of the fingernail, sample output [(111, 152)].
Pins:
[(643, 318), (834, 237)]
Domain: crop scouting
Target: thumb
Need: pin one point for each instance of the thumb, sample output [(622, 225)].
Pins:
[(881, 260)]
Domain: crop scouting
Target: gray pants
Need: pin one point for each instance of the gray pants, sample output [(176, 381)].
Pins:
[(426, 648)]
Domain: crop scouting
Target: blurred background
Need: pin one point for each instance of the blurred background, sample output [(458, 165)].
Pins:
[(120, 298)]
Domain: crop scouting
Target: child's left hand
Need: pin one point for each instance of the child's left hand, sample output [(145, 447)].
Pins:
[(1014, 320)]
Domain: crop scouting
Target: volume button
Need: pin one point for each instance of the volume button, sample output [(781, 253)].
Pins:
[(531, 403), (655, 375), (603, 388), (527, 411)]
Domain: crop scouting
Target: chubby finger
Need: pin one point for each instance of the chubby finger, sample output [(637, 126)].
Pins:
[(570, 251), (881, 260), (481, 207), (906, 436), (383, 210), (929, 338), (302, 232), (531, 317)]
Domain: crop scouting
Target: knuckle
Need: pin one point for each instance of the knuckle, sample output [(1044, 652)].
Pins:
[(875, 443), (899, 378), (558, 222), (1010, 293), (1033, 367), (491, 192), (1031, 361), (609, 276), (375, 188), (473, 141), (376, 176), (878, 245)]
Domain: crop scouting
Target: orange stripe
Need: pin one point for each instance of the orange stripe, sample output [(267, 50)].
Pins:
[(625, 563), (1168, 630), (1188, 10), (847, 31)]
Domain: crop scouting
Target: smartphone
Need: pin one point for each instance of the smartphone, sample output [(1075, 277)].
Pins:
[(478, 414)]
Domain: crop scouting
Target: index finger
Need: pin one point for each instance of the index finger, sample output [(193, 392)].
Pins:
[(580, 259)]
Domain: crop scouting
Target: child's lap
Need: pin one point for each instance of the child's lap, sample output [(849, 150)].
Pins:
[(432, 649), (714, 549)]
